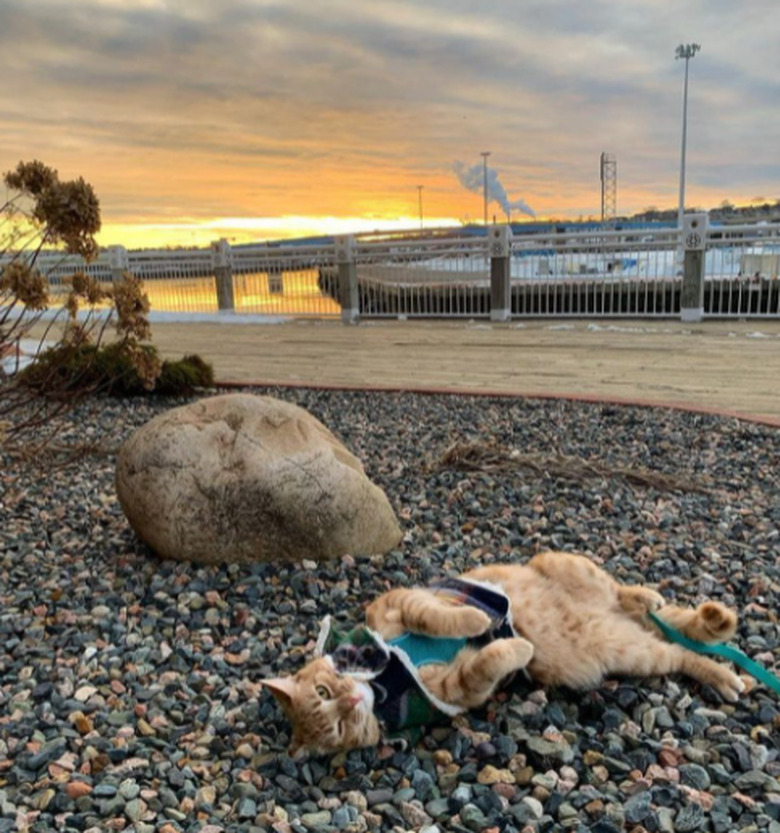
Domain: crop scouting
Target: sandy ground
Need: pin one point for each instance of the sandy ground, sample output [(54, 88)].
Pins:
[(725, 366)]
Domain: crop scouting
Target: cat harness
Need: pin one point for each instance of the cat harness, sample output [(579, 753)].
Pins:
[(401, 699)]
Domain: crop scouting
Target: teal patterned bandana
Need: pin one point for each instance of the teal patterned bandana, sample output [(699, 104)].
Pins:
[(401, 699)]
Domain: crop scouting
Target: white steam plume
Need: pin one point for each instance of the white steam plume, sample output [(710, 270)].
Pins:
[(473, 178)]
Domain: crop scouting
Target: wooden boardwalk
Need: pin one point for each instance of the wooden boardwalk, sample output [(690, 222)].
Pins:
[(729, 367)]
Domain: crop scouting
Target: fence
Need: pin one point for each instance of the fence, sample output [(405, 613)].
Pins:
[(717, 271), (752, 252), (586, 274)]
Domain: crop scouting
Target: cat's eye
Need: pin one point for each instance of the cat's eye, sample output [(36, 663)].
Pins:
[(323, 692)]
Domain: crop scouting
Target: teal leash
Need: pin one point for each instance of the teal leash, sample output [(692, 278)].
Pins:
[(736, 656)]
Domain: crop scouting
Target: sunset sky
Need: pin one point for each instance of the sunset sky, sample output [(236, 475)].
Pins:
[(257, 119)]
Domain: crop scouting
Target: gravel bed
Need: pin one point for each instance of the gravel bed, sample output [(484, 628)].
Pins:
[(129, 695)]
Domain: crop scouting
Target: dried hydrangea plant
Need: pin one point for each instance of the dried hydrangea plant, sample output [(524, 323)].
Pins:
[(44, 213)]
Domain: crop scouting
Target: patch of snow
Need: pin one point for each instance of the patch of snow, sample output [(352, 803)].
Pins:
[(215, 318), (22, 354)]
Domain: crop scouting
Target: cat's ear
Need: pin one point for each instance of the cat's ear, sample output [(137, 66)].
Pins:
[(282, 689)]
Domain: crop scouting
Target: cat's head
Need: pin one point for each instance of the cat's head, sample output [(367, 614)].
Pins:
[(328, 711)]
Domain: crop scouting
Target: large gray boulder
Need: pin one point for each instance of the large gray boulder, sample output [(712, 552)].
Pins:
[(249, 478)]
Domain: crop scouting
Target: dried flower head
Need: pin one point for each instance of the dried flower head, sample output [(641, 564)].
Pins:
[(64, 212), (31, 177), (88, 288), (25, 284), (147, 364), (132, 308), (70, 213)]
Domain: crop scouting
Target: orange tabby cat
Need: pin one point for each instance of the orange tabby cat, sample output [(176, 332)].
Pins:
[(575, 625)]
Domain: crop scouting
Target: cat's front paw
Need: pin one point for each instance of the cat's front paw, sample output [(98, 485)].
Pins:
[(504, 657), (472, 622), (520, 650)]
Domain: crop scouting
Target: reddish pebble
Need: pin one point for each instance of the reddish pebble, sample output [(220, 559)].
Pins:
[(75, 789)]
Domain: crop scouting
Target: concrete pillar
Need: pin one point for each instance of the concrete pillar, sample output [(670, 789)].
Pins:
[(119, 262), (222, 263), (694, 240), (500, 253), (347, 279)]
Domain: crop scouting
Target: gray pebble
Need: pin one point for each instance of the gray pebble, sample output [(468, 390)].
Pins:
[(155, 636), (689, 818)]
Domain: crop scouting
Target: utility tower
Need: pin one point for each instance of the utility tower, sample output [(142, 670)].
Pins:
[(608, 187)]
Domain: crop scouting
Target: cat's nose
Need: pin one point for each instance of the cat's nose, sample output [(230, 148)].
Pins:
[(351, 700)]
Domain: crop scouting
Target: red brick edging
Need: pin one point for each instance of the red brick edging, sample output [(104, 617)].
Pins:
[(773, 422)]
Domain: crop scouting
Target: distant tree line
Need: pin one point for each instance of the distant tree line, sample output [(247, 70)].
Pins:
[(758, 209)]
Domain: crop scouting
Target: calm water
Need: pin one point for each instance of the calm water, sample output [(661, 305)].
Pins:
[(288, 293), (291, 293)]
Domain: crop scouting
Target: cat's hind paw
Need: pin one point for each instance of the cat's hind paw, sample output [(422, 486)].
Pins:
[(638, 600), (729, 686), (715, 621)]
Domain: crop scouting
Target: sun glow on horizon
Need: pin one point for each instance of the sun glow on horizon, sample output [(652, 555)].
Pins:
[(200, 233)]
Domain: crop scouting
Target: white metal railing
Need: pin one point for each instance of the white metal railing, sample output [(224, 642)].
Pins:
[(175, 280), (742, 269), (57, 267), (626, 272), (447, 277), (633, 272), (266, 280)]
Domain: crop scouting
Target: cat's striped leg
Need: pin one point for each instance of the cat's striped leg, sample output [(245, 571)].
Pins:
[(473, 676), (418, 610), (709, 622), (651, 657)]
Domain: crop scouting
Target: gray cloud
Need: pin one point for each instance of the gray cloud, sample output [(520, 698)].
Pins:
[(547, 85)]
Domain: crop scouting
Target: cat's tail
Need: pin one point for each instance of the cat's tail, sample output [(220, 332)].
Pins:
[(710, 622)]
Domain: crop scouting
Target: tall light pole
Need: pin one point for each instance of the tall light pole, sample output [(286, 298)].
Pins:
[(484, 155), (419, 200), (686, 51)]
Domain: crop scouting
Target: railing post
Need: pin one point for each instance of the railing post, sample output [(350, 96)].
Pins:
[(347, 279), (222, 263), (499, 251), (694, 240), (119, 262)]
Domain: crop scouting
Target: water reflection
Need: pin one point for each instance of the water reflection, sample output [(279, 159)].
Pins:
[(264, 293)]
